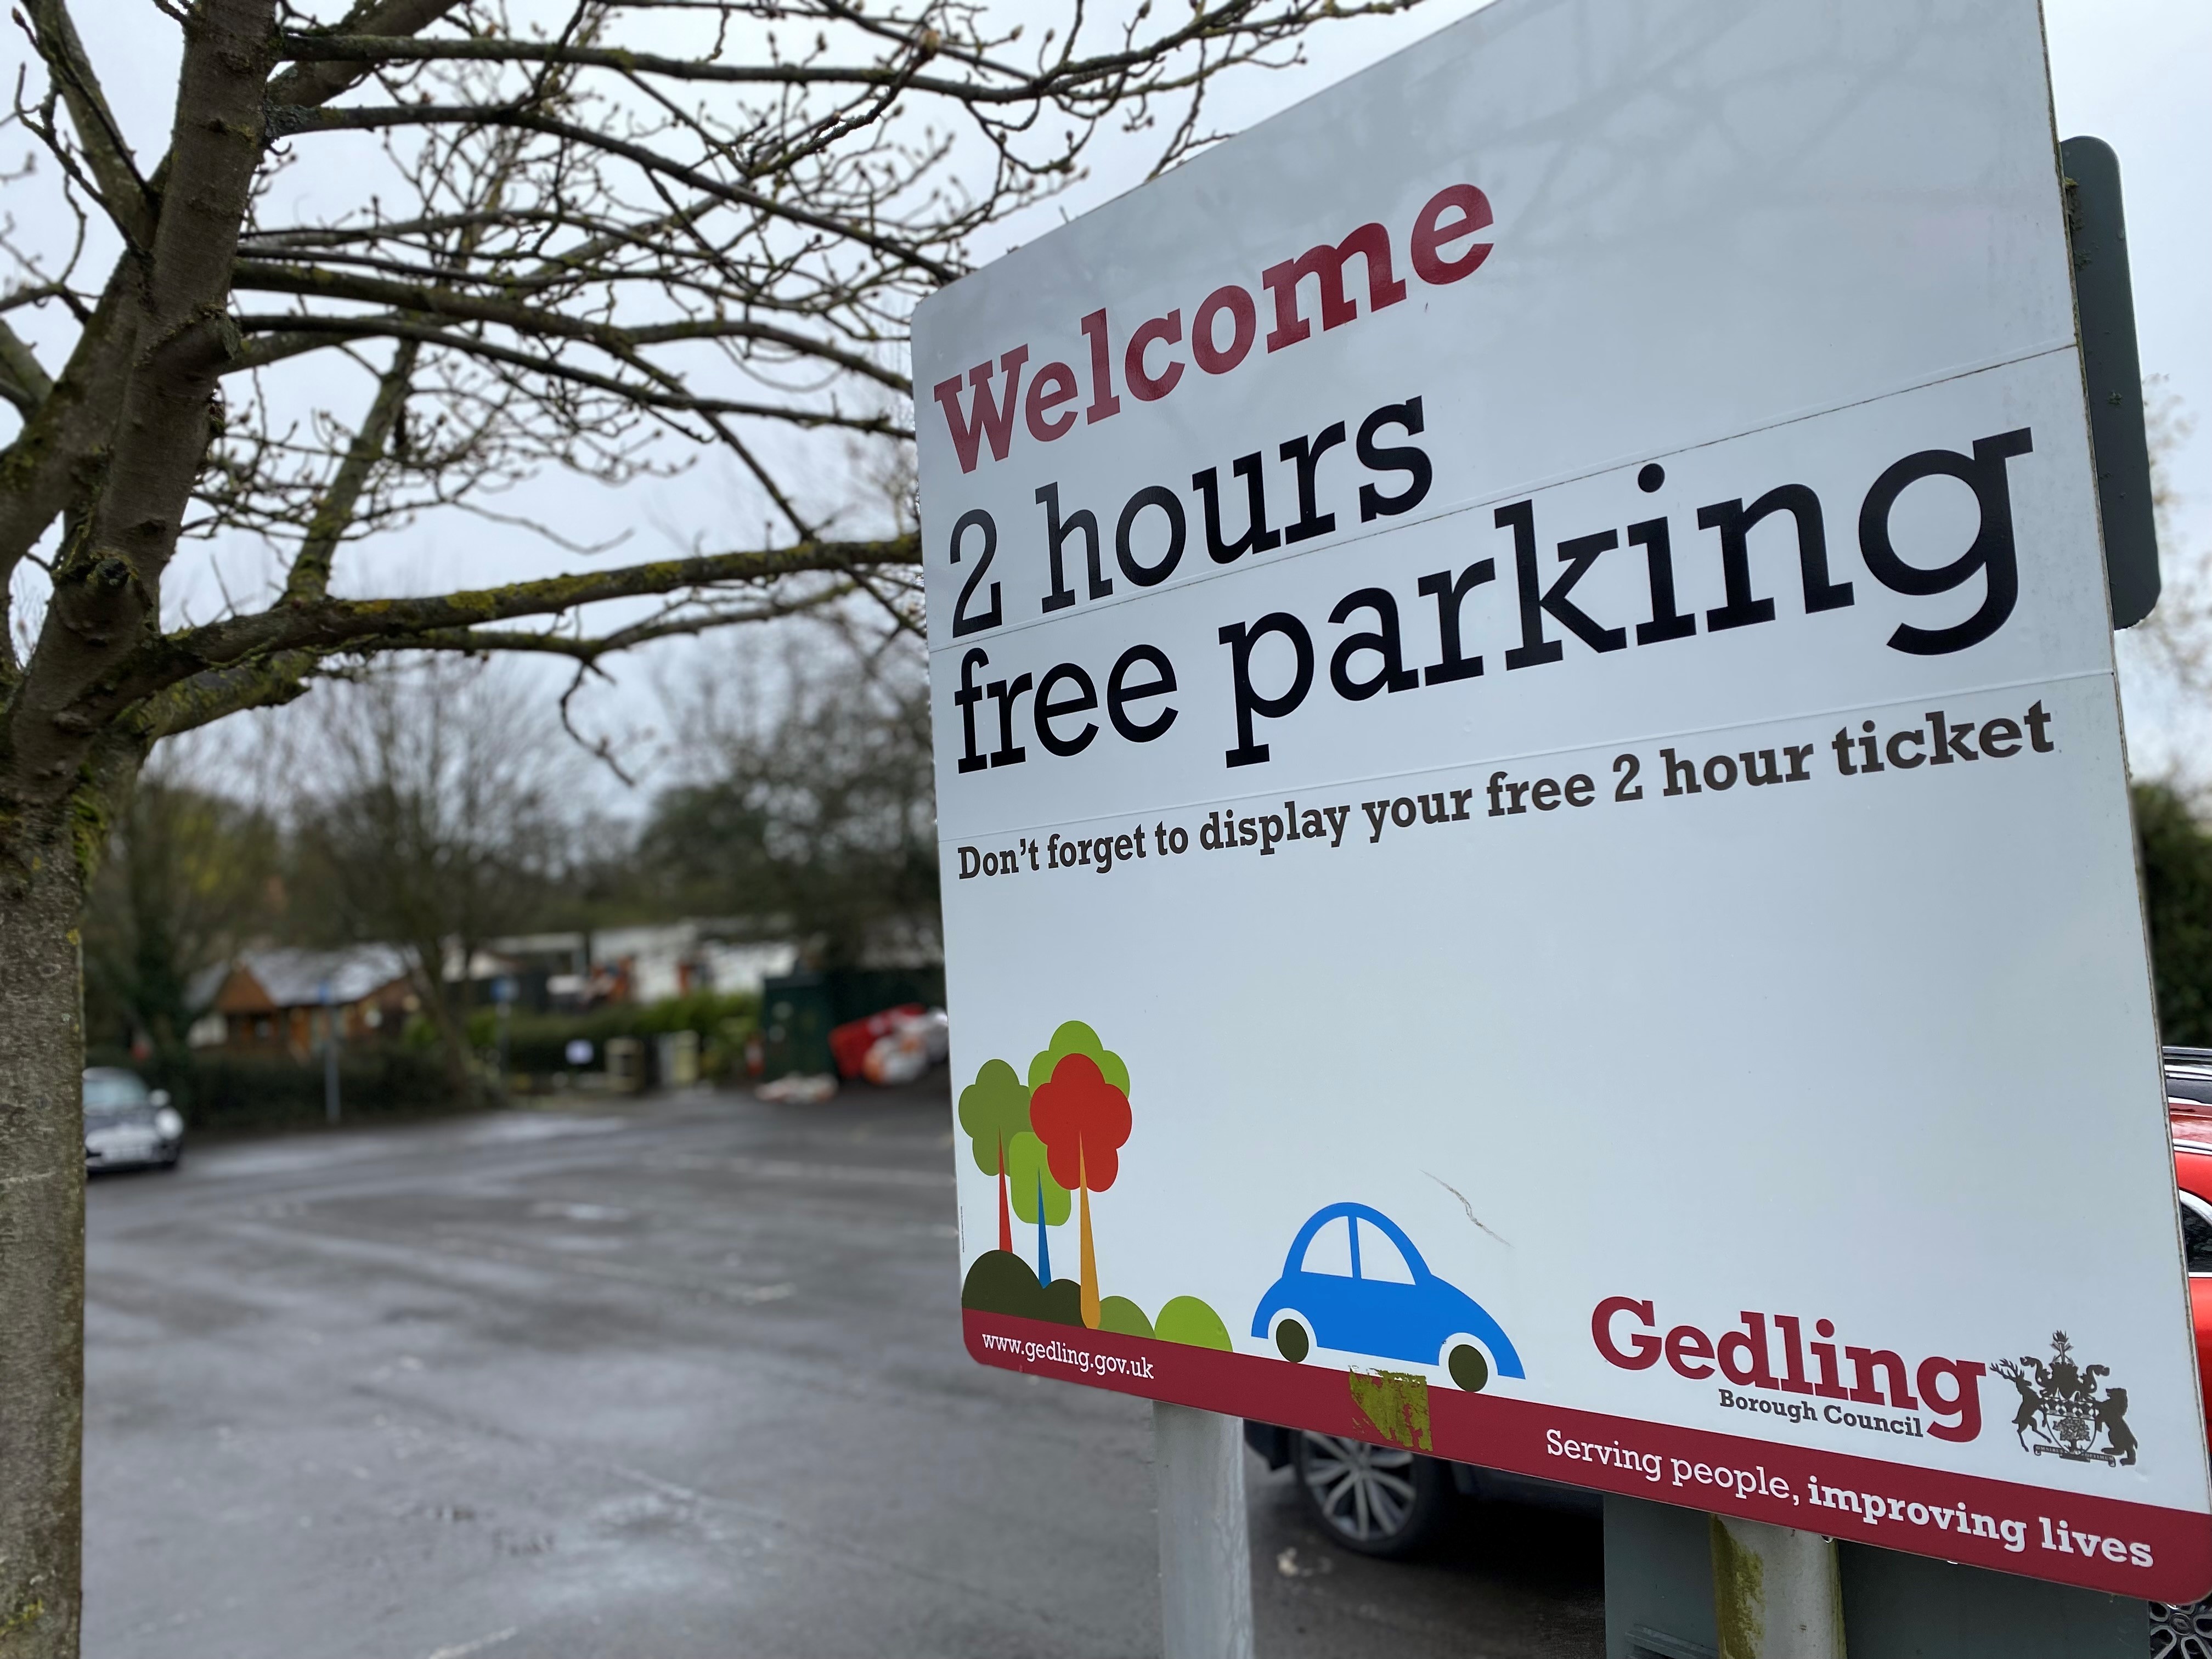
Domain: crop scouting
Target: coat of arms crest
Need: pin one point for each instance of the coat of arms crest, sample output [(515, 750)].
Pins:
[(2066, 1408)]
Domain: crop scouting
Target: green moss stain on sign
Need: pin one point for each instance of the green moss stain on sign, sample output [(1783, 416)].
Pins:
[(1396, 1403)]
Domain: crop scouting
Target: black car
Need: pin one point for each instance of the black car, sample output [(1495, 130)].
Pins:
[(1385, 1501), (127, 1124)]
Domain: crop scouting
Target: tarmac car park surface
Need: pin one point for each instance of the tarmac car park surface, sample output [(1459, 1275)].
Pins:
[(678, 1376), (668, 1375)]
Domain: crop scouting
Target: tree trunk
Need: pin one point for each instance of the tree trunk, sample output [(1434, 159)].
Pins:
[(41, 1239), (1044, 1245), (451, 1028), (1087, 1271), (1005, 1220)]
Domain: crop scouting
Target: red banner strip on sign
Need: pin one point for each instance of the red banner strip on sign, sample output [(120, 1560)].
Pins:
[(2098, 1543)]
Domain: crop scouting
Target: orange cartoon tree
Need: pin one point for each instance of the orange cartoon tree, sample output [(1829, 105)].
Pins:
[(1079, 1107)]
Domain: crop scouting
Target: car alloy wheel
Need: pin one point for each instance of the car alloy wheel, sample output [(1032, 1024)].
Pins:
[(2181, 1632), (1378, 1500)]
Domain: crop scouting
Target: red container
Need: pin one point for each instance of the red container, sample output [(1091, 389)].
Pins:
[(849, 1044)]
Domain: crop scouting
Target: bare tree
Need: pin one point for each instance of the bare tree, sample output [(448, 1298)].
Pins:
[(811, 801), (187, 881), (439, 820), (594, 237)]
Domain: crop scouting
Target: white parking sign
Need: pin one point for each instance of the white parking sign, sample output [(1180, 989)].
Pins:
[(1534, 831)]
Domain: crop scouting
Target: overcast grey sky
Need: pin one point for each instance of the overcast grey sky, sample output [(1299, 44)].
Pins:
[(2137, 73), (2134, 72)]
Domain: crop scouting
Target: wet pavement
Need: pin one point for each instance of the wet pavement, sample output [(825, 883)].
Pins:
[(667, 1378)]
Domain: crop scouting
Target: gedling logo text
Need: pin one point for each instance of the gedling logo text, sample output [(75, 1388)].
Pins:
[(1626, 1331)]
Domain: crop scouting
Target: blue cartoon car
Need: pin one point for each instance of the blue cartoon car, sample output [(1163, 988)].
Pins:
[(1353, 1281)]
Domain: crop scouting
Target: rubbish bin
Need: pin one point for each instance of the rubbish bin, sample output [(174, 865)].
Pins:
[(625, 1064), (676, 1059), (798, 1011)]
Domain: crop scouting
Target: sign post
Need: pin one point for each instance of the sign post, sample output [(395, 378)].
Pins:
[(1532, 806), (502, 995), (1205, 1565), (1777, 1593), (329, 1054)]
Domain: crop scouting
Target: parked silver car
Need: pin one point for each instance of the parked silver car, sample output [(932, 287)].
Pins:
[(126, 1124)]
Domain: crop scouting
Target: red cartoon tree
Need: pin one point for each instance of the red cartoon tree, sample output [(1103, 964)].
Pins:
[(1083, 1120)]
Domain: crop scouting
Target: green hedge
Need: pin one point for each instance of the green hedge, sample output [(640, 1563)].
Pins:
[(218, 1092), (536, 1044)]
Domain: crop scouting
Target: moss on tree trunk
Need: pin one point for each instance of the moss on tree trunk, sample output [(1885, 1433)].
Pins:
[(41, 1239)]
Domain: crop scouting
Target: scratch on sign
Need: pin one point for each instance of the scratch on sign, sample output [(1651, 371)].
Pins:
[(1468, 1207)]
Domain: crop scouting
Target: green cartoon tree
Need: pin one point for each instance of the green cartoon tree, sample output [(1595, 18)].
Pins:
[(1074, 1037), (1079, 1107), (993, 1109), (1038, 1199)]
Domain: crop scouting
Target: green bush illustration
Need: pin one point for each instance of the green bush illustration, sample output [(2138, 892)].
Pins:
[(1000, 1282), (1188, 1320), (1123, 1317)]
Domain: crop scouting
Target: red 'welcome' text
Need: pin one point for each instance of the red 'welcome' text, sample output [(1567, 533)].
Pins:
[(1222, 332)]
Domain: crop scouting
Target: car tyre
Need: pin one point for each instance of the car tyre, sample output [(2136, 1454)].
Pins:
[(1373, 1500), (1292, 1339)]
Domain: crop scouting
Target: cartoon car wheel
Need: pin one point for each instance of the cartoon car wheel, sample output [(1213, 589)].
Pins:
[(1293, 1338), (1466, 1363)]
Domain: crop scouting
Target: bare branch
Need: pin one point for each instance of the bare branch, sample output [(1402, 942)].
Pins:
[(311, 571), (589, 650), (24, 382), (122, 191), (286, 335), (334, 625), (998, 83), (219, 693), (307, 84), (530, 320), (285, 121), (33, 296)]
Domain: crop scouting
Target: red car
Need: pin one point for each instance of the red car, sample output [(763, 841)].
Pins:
[(2189, 1108), (2185, 1633)]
